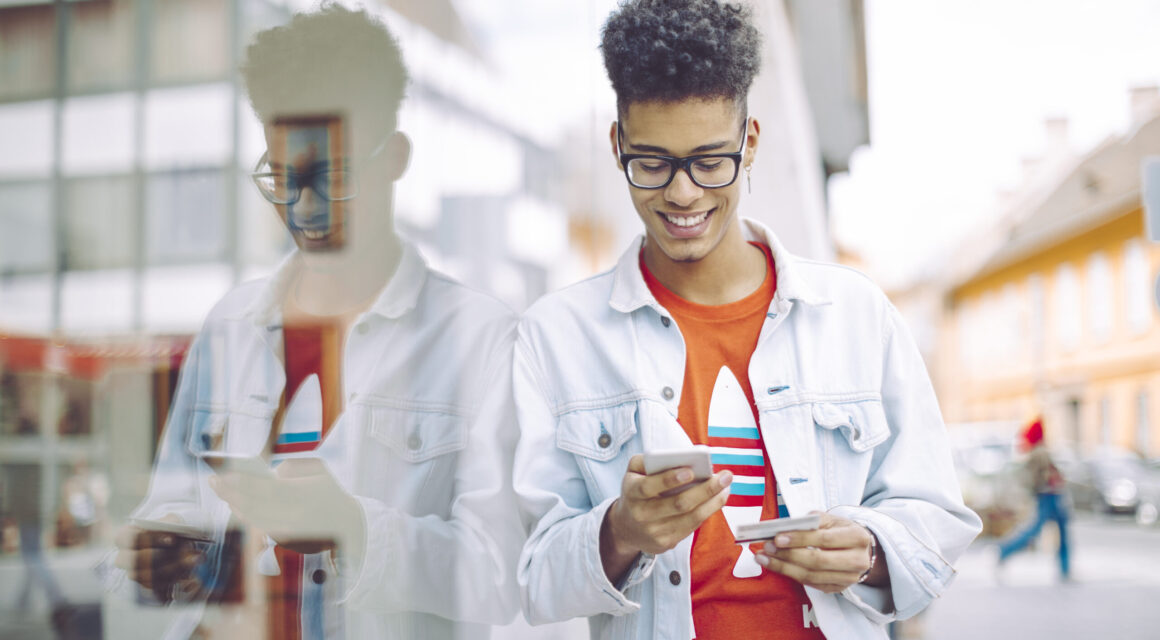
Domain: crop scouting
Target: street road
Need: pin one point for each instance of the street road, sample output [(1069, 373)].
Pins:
[(1114, 593)]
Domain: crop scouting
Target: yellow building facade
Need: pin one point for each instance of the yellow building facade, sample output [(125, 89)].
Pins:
[(1061, 319)]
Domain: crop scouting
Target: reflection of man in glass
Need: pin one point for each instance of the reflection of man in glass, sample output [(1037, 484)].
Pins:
[(336, 412)]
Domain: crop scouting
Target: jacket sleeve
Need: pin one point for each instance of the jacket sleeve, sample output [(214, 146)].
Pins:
[(561, 575), (912, 500), (461, 567)]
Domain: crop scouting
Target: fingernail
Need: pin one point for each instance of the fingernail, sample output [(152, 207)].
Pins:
[(726, 478), (781, 541), (761, 560), (684, 475), (769, 548)]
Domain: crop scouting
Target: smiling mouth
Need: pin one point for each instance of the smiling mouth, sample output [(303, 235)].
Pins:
[(315, 234), (686, 221)]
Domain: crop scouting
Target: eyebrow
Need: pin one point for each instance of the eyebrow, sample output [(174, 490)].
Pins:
[(713, 146)]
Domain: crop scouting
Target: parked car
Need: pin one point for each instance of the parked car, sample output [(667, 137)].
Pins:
[(1114, 481)]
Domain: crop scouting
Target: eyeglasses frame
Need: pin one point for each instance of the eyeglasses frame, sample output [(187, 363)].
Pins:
[(679, 164)]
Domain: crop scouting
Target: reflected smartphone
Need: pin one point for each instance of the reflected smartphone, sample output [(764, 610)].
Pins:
[(253, 465), (179, 529), (698, 458), (767, 529)]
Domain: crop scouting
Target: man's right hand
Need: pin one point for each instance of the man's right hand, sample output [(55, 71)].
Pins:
[(642, 520), (156, 560)]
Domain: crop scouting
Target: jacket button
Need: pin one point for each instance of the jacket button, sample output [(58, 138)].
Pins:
[(667, 392), (318, 577), (665, 321), (414, 442), (675, 577), (604, 440)]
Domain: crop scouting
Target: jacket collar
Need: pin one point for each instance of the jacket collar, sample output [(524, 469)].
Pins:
[(399, 296), (629, 291)]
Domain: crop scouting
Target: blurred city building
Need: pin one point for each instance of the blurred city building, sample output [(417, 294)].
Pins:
[(1052, 311)]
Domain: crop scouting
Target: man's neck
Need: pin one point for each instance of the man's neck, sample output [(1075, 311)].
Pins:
[(343, 284), (732, 270)]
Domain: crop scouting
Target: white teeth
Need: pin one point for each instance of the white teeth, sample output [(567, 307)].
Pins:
[(313, 235), (687, 221)]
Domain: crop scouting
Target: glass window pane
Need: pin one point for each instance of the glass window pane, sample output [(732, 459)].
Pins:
[(98, 134), (188, 126), (26, 304), (97, 302), (26, 138), (26, 218), (99, 227), (190, 40), (101, 42), (185, 216), (27, 51)]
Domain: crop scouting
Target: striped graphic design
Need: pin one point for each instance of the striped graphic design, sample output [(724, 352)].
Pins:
[(301, 424)]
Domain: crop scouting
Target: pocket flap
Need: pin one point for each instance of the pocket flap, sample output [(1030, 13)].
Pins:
[(862, 423), (597, 433), (416, 436)]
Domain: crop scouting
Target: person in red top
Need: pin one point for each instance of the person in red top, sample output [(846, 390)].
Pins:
[(681, 139)]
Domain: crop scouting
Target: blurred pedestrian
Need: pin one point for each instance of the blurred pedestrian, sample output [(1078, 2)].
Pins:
[(1048, 484)]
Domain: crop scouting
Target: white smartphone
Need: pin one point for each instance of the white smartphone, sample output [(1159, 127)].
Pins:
[(698, 458), (767, 529), (179, 529), (253, 465)]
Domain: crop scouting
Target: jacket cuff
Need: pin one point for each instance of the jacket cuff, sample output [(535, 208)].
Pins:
[(641, 569), (918, 574)]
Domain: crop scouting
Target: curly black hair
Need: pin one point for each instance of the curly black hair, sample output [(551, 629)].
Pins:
[(671, 50), (332, 55)]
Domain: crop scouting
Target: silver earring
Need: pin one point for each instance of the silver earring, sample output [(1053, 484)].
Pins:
[(749, 177)]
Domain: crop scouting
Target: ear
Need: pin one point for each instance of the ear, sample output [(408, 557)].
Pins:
[(398, 153), (752, 133), (612, 142)]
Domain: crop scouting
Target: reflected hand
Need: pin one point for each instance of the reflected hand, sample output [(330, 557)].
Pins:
[(301, 506), (158, 560)]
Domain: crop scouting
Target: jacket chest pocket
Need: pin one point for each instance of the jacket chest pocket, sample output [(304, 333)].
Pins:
[(417, 470), (848, 433), (602, 441), (221, 430)]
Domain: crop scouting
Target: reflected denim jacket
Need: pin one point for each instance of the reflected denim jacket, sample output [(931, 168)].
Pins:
[(424, 443), (847, 414)]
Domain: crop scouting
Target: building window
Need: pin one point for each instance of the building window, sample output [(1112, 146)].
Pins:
[(1099, 296), (101, 43), (185, 216), (1036, 313), (190, 41), (26, 219), (1143, 426), (27, 51), (1105, 421), (1067, 310), (99, 223), (1137, 288)]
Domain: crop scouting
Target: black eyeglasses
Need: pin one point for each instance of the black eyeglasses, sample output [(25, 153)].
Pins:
[(708, 171), (334, 184)]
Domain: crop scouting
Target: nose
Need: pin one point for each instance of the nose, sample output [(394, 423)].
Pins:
[(308, 203), (682, 191)]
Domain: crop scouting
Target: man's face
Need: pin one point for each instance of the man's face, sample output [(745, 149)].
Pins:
[(684, 221), (310, 157)]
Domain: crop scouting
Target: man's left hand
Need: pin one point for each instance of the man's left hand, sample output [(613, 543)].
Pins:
[(829, 558)]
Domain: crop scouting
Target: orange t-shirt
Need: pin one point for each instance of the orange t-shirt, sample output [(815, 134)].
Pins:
[(717, 409)]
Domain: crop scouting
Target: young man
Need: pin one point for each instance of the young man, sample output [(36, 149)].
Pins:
[(353, 359), (800, 376)]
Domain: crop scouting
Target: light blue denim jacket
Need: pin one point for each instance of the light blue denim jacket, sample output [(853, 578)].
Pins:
[(847, 414)]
